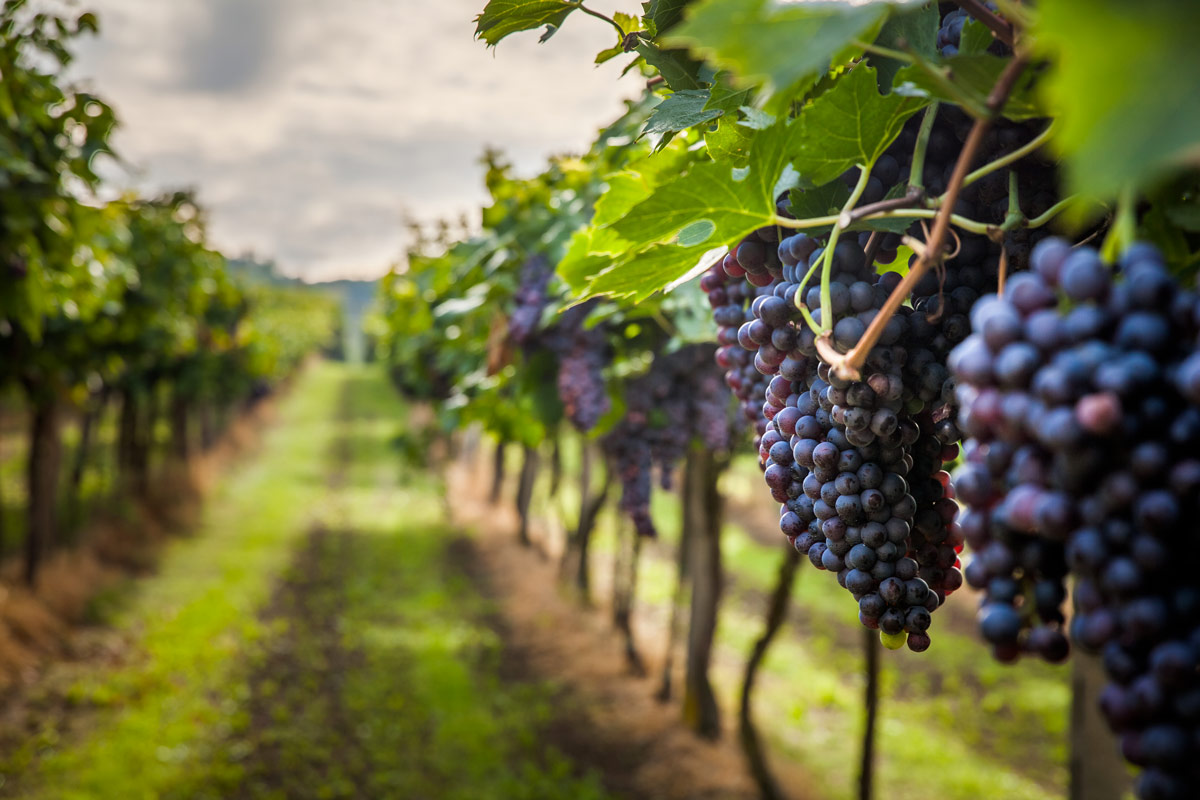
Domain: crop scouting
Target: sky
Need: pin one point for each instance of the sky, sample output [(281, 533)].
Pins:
[(312, 129)]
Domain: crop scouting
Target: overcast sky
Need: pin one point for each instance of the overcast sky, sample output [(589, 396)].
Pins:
[(311, 127)]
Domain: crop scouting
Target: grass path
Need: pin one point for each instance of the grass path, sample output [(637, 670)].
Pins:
[(315, 639)]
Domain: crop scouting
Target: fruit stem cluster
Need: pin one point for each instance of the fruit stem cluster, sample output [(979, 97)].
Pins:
[(850, 365)]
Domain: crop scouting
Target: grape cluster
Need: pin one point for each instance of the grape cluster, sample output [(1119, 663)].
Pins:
[(855, 465), (681, 397), (581, 379), (730, 297), (582, 352), (530, 299), (1084, 456)]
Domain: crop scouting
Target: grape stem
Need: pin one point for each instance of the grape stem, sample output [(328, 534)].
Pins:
[(1015, 155), (916, 175), (1014, 218), (886, 52), (871, 209), (1124, 227), (843, 221), (966, 223), (1051, 213), (849, 366), (1001, 29), (898, 206), (620, 31)]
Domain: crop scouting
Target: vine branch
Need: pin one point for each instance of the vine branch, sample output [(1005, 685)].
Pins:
[(1000, 28), (620, 31), (850, 365), (871, 210)]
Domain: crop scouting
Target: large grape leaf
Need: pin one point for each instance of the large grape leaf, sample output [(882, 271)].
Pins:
[(850, 124), (666, 235), (734, 201), (646, 272), (1125, 83), (591, 251), (725, 98), (774, 43), (503, 17)]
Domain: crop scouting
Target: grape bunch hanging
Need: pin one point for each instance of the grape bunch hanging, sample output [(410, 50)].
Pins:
[(1066, 389)]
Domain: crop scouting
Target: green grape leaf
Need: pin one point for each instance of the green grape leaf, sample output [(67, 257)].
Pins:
[(634, 184), (664, 14), (591, 250), (730, 142), (736, 202), (976, 38), (625, 190), (679, 70), (967, 80), (820, 201), (779, 44), (1124, 85), (680, 111), (708, 206), (848, 125), (501, 18), (647, 272), (756, 119), (724, 98), (913, 27)]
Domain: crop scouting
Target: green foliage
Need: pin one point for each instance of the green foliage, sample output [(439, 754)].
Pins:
[(782, 45), (842, 79), (116, 295), (501, 18), (1124, 85), (850, 125), (48, 142)]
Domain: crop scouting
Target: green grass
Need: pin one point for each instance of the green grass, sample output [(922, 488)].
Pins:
[(387, 680)]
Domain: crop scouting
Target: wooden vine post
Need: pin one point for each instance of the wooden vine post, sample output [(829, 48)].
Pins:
[(703, 516)]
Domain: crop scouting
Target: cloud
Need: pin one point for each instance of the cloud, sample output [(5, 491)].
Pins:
[(310, 128), (232, 49)]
